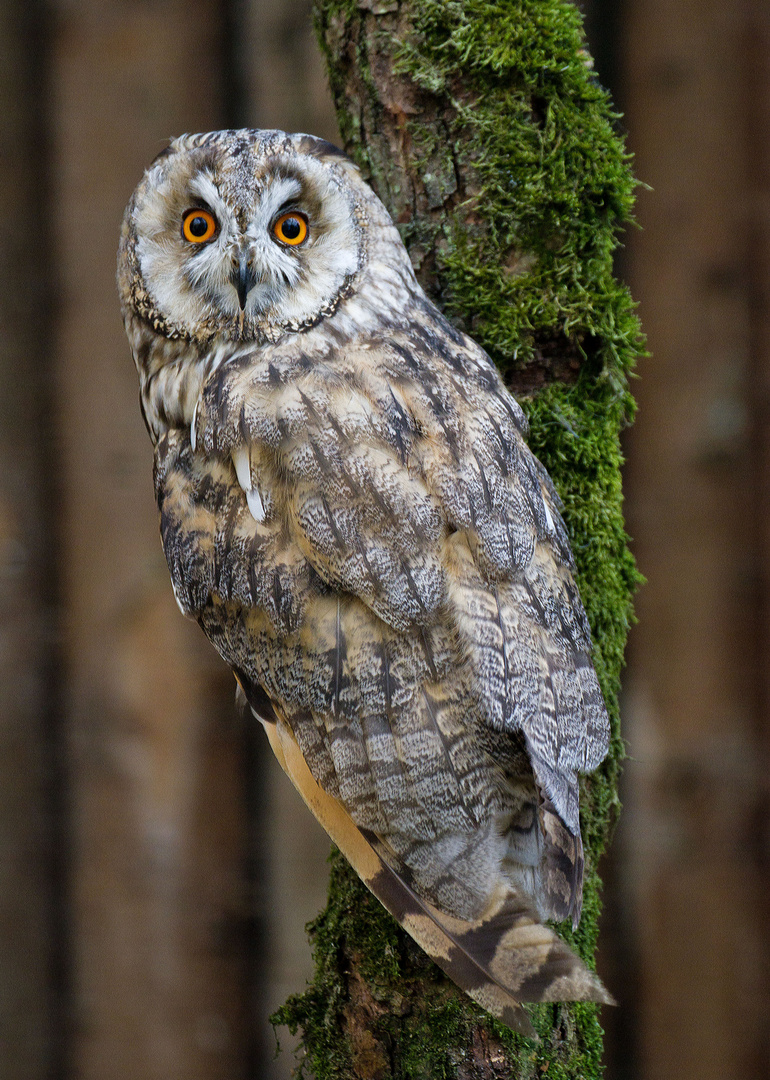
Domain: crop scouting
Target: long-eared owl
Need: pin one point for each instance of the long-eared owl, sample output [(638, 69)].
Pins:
[(351, 513)]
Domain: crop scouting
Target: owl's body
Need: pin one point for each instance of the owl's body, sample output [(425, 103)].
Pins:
[(350, 511)]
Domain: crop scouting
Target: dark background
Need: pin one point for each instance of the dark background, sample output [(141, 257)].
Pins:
[(155, 868)]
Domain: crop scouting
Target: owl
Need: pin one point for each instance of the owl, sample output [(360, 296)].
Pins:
[(350, 511)]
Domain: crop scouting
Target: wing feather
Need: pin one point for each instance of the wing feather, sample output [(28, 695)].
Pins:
[(404, 596)]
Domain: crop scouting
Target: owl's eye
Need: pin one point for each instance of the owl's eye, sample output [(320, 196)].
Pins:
[(198, 226), (291, 228)]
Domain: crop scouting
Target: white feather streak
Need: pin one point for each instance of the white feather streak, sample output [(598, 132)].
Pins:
[(256, 507), (242, 467)]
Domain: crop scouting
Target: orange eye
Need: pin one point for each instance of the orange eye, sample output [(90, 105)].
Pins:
[(198, 226), (291, 228)]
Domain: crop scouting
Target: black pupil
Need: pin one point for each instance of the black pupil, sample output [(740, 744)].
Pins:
[(291, 228), (198, 226)]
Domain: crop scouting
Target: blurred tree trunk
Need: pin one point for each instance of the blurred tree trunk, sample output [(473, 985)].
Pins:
[(484, 132), (157, 903), (695, 874), (31, 931)]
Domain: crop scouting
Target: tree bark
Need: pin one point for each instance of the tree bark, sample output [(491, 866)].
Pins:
[(482, 127)]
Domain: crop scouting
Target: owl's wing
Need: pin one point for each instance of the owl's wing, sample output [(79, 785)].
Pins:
[(531, 672), (403, 471), (357, 741), (391, 568), (514, 601)]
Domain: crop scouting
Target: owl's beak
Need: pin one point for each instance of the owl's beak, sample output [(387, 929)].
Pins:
[(244, 279)]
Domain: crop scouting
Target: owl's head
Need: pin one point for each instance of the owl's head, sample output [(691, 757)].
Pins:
[(245, 235)]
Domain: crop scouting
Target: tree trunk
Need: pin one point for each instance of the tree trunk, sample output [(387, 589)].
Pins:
[(485, 133), (32, 928)]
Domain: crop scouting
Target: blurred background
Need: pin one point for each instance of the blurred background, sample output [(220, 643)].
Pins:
[(156, 871)]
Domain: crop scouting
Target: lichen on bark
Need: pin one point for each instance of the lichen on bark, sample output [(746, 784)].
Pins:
[(483, 129)]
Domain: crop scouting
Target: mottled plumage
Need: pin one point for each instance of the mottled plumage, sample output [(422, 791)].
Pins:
[(349, 509)]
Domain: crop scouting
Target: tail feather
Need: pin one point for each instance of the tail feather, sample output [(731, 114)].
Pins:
[(562, 872), (501, 959)]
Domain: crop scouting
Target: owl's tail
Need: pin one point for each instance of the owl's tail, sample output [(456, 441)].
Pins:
[(501, 959)]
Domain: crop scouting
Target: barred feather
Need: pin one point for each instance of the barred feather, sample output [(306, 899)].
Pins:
[(350, 510)]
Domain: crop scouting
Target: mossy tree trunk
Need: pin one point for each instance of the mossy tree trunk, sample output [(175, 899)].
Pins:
[(483, 129)]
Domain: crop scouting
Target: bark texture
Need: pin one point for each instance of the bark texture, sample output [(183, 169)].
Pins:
[(482, 127)]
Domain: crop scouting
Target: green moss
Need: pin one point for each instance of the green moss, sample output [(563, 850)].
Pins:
[(523, 260), (550, 185), (423, 1024)]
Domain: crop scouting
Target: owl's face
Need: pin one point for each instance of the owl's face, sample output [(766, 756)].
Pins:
[(243, 235)]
